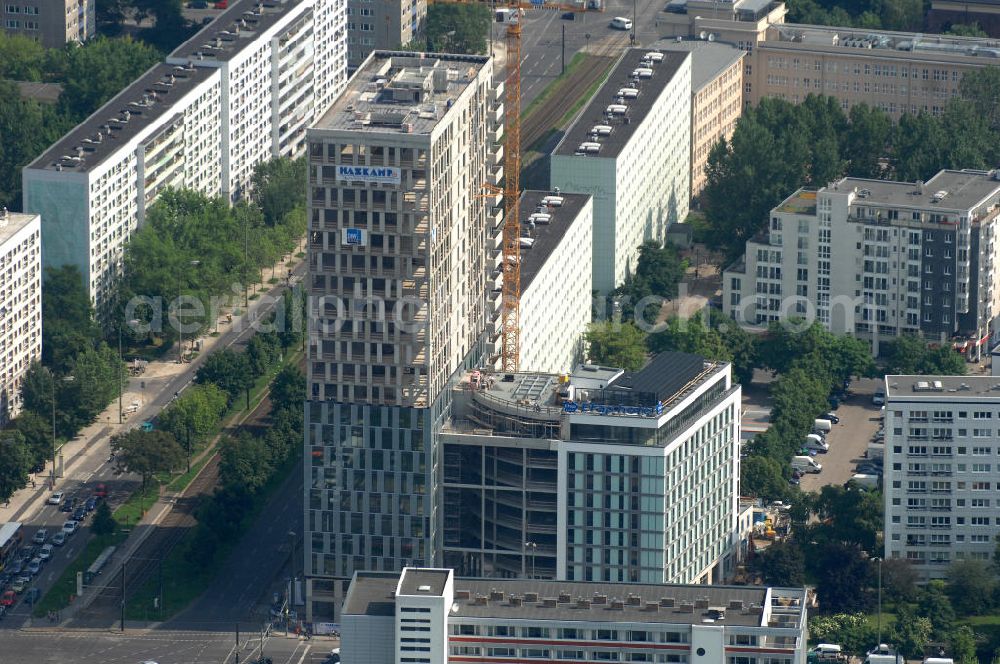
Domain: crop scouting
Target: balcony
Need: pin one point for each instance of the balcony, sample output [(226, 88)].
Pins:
[(496, 176), (496, 133)]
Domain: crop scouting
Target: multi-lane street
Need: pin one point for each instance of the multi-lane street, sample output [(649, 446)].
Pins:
[(86, 461)]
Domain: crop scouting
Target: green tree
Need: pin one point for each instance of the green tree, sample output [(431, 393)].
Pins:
[(867, 140), (781, 564), (690, 335), (69, 327), (146, 453), (96, 374), (278, 186), (899, 580), (855, 632), (37, 433), (851, 516), (658, 272), (909, 355), (244, 462), (935, 605), (230, 371), (970, 587), (288, 390), (965, 30), (21, 58), (15, 461), (616, 345), (98, 70), (458, 28), (762, 477), (194, 415), (104, 522), (845, 578), (981, 87), (263, 352), (910, 633), (963, 646)]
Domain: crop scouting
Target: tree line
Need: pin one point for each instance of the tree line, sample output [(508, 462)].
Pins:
[(778, 147)]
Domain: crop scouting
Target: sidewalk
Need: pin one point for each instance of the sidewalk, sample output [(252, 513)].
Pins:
[(153, 389)]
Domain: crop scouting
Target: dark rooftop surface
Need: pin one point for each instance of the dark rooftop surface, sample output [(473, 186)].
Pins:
[(935, 388), (546, 236), (638, 108), (234, 29), (665, 375), (371, 594), (151, 96), (423, 582)]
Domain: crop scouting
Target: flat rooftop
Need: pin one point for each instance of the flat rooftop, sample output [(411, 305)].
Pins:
[(708, 59), (964, 190), (234, 29), (622, 126), (802, 201), (125, 116), (666, 379), (423, 582), (401, 92), (11, 223), (935, 388), (545, 236), (569, 601), (906, 45)]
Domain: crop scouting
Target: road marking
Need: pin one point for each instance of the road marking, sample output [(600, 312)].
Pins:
[(304, 653)]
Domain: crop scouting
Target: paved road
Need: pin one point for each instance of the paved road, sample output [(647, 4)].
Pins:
[(541, 38), (257, 564), (88, 464), (162, 646)]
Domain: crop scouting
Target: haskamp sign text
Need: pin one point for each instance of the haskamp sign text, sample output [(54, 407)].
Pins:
[(591, 408), (373, 174)]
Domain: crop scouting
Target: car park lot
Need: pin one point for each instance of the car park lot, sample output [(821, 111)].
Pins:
[(859, 420)]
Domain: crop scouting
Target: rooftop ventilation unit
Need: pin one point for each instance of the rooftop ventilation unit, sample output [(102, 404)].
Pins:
[(589, 147), (463, 594), (628, 93), (655, 56), (527, 242), (600, 130), (642, 72), (553, 201), (938, 196), (540, 218)]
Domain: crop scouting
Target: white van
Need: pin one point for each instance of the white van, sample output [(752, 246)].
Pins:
[(814, 442), (806, 464), (621, 23), (823, 425)]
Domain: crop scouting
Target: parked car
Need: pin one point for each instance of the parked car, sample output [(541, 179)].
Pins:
[(222, 4), (834, 403), (569, 16), (68, 505), (20, 584), (80, 513), (46, 552), (41, 535), (878, 398), (35, 566), (59, 538), (91, 504), (100, 491), (70, 527), (56, 498), (198, 4), (833, 417), (8, 598), (16, 567)]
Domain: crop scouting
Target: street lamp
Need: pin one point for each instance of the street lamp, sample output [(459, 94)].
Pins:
[(533, 547), (879, 561), (65, 379)]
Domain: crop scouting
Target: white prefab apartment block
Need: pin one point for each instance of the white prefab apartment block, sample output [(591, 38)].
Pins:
[(427, 616), (403, 253), (239, 92), (53, 23), (630, 149), (598, 475), (556, 286), (878, 259), (20, 305), (941, 472)]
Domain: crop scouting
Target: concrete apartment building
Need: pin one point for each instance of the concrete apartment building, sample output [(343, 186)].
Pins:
[(878, 259), (428, 616), (716, 98), (941, 478), (403, 252), (896, 71), (556, 294), (382, 25), (630, 149), (53, 23), (239, 92), (20, 305), (597, 475)]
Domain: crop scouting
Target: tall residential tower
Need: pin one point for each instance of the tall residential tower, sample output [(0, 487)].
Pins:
[(403, 251)]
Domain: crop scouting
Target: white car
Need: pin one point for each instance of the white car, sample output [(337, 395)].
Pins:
[(70, 527), (56, 498), (46, 552), (41, 536)]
